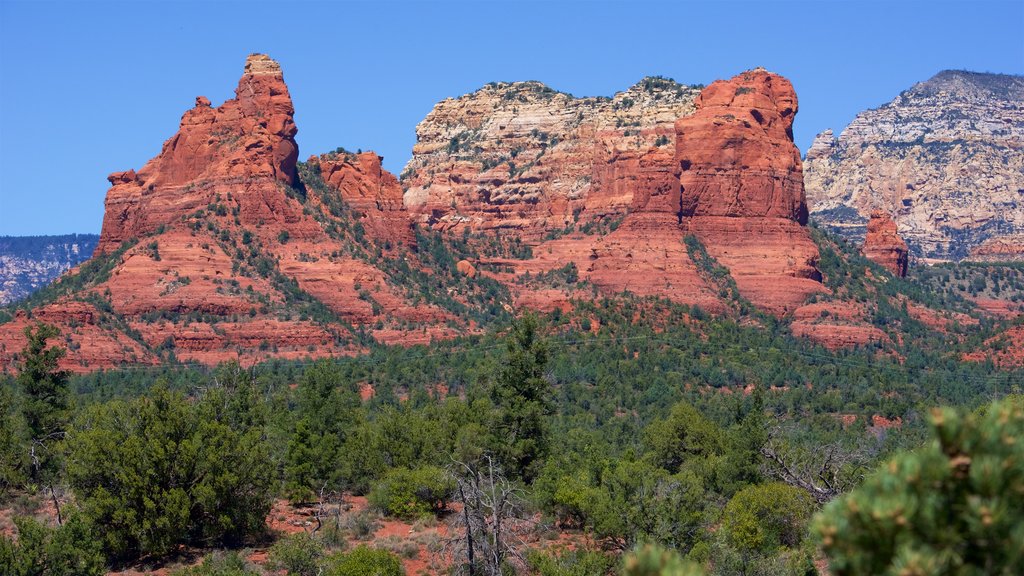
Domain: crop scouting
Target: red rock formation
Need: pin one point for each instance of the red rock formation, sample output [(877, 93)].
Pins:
[(372, 192), (1005, 349), (836, 325), (1000, 249), (239, 154), (734, 181), (884, 245), (526, 159), (229, 253), (741, 188)]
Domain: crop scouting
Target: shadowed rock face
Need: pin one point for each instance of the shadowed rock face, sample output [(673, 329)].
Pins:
[(945, 158), (241, 152), (884, 245)]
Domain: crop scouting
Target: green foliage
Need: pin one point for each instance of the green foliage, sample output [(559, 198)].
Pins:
[(364, 561), (522, 400), (220, 564), (12, 453), (578, 562), (412, 493), (654, 560), (328, 407), (160, 471), (636, 502), (297, 554), (68, 550), (766, 517), (955, 506), (45, 402), (685, 440)]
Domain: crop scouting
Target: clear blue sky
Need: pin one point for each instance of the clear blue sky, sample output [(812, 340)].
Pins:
[(90, 88)]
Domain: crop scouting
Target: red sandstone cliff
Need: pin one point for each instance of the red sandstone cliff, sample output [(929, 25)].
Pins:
[(233, 259), (523, 158), (239, 257), (734, 181), (239, 154), (372, 192), (884, 245), (741, 188)]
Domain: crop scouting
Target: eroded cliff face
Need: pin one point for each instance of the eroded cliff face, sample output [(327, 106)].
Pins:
[(242, 253), (741, 188), (945, 158), (235, 256), (523, 157), (732, 178), (372, 192), (240, 154), (884, 245)]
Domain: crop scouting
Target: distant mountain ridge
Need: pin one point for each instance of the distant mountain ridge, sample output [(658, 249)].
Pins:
[(945, 158), (28, 263)]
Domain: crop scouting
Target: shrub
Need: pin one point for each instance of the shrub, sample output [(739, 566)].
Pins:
[(297, 554), (410, 493), (570, 563), (160, 471), (219, 564), (766, 517), (653, 560), (955, 506), (363, 561), (69, 550)]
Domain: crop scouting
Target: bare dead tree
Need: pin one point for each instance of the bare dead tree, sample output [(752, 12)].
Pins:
[(42, 445), (328, 507), (824, 473), (491, 528)]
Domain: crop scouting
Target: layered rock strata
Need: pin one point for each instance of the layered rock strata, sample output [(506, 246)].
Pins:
[(945, 158), (522, 157), (884, 245), (215, 251)]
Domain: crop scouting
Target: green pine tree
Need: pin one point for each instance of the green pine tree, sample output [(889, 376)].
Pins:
[(45, 402), (954, 507), (522, 400)]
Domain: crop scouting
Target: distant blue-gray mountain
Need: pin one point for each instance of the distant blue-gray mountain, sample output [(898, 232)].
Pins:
[(28, 263)]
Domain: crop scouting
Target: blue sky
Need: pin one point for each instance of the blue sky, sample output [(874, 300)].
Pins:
[(89, 88)]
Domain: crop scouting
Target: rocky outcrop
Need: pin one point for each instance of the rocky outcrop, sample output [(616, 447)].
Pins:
[(28, 263), (733, 181), (521, 156), (372, 192), (836, 325), (945, 158), (234, 256), (741, 188), (238, 155), (1005, 349), (999, 249), (243, 253), (884, 245)]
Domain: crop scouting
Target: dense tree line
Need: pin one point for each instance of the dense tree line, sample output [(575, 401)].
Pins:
[(679, 444)]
